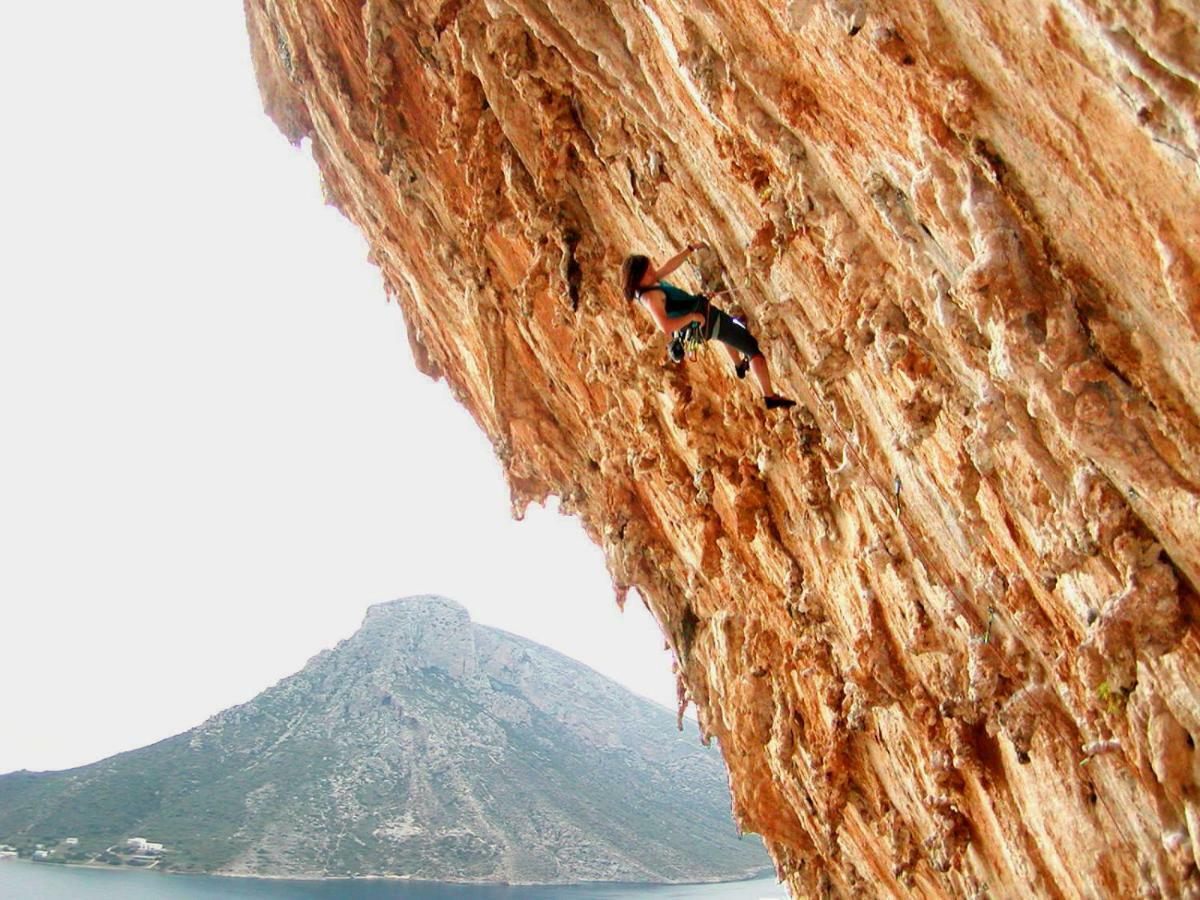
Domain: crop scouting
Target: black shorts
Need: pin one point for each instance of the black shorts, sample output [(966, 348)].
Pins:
[(727, 331)]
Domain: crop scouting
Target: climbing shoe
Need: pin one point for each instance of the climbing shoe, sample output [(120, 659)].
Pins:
[(742, 367), (777, 402)]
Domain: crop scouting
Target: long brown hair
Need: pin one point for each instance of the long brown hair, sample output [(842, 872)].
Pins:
[(632, 271)]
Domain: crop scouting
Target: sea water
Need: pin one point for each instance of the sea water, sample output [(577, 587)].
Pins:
[(20, 880)]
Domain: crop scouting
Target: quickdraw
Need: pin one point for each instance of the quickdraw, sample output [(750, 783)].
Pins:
[(686, 342)]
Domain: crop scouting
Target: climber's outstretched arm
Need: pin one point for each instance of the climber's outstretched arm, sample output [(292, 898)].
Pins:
[(675, 261)]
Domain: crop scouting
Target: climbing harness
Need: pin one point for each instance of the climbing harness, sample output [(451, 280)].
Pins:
[(686, 342)]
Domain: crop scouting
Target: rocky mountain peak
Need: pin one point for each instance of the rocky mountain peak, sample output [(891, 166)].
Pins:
[(422, 631), (392, 755)]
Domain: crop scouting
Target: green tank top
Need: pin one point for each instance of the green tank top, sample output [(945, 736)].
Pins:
[(679, 302)]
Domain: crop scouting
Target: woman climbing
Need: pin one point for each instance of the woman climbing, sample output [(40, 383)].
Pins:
[(672, 309)]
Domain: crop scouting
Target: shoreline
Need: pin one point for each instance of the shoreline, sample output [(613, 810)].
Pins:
[(82, 865), (762, 873)]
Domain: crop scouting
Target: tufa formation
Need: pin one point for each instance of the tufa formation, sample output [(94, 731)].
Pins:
[(940, 616)]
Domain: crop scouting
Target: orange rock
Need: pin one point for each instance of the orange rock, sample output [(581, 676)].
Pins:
[(967, 236)]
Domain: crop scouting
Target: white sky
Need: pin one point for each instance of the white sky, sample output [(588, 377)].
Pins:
[(215, 451)]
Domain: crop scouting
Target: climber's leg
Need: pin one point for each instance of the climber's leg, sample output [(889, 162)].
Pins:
[(758, 365), (736, 337), (758, 368), (739, 342), (732, 334)]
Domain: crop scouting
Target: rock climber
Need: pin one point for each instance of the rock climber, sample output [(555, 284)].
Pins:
[(673, 309)]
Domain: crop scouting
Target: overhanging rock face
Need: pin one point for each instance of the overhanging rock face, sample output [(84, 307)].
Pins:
[(939, 616)]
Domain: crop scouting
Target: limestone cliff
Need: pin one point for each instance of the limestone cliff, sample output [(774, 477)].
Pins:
[(940, 616)]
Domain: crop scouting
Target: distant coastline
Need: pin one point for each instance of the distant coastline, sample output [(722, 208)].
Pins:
[(370, 738), (751, 876)]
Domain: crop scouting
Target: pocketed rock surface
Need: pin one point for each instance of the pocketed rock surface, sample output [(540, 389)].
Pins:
[(939, 616)]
